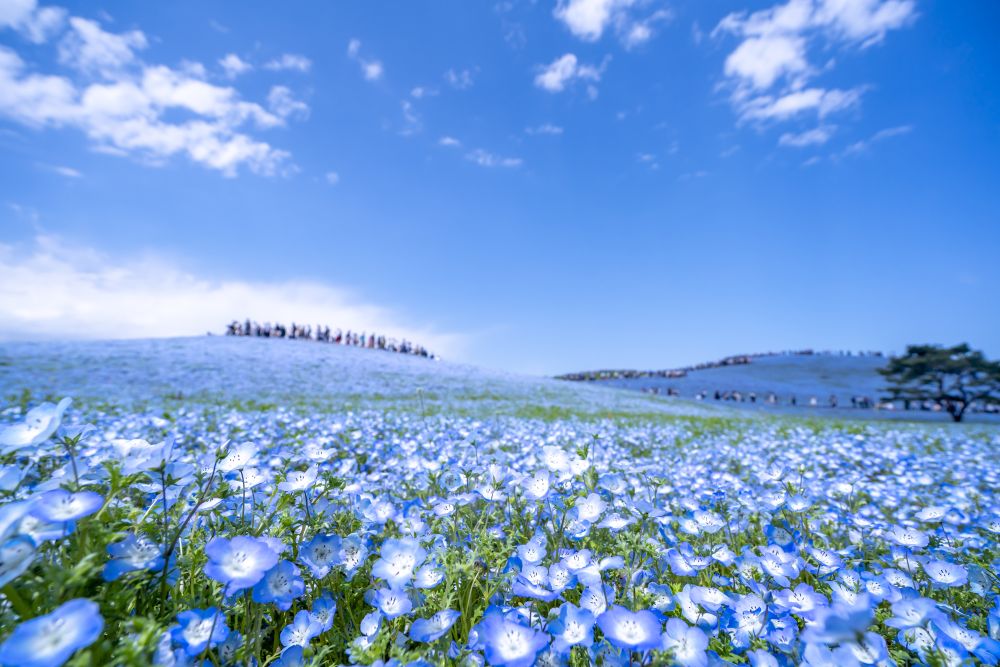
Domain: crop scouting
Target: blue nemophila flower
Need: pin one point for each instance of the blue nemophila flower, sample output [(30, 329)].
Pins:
[(801, 601), (50, 640), (911, 538), (323, 609), (61, 506), (291, 656), (426, 630), (238, 457), (533, 551), (817, 655), (238, 563), (537, 486), (392, 603), (746, 620), (133, 554), (573, 627), (428, 576), (16, 555), (398, 558), (198, 628), (632, 630), (371, 623), (944, 573), (783, 633), (352, 555), (685, 643), (280, 585), (229, 648), (985, 648), (709, 598), (839, 622), (299, 480), (301, 630), (38, 426), (320, 554), (509, 644)]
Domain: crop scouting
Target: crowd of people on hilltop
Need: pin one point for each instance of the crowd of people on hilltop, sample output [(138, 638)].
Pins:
[(323, 334), (735, 360)]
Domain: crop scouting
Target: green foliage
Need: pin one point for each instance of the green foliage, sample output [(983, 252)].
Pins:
[(956, 377)]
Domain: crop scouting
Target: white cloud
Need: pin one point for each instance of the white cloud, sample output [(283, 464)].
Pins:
[(760, 61), (814, 137), (411, 119), (131, 109), (563, 71), (420, 92), (865, 144), (590, 19), (450, 142), (372, 70), (812, 100), (90, 49), (545, 128), (281, 102), (68, 172), (289, 62), (769, 71), (587, 19), (332, 177), (462, 79), (52, 288), (641, 31), (486, 159), (649, 160), (234, 65), (36, 24)]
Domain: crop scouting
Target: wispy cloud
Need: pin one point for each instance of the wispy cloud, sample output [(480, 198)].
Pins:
[(486, 159), (865, 144), (545, 128), (460, 79), (289, 62), (449, 142), (371, 70), (814, 137), (53, 288)]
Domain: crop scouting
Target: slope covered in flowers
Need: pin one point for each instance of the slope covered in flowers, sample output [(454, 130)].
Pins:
[(222, 533)]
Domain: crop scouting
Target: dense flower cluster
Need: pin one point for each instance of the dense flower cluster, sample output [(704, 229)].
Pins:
[(290, 537)]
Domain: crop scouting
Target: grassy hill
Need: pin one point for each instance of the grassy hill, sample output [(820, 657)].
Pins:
[(166, 374), (799, 375)]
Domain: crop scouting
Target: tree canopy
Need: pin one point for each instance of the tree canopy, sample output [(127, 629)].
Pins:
[(956, 377)]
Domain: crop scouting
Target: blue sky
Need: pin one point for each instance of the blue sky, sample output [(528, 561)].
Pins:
[(540, 186)]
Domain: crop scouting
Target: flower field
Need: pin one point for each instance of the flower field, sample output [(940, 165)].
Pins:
[(219, 534)]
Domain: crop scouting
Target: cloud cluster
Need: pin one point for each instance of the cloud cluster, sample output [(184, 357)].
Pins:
[(130, 107), (50, 288), (566, 70), (590, 19), (770, 73)]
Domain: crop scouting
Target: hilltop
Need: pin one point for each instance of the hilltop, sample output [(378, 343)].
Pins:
[(164, 374)]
